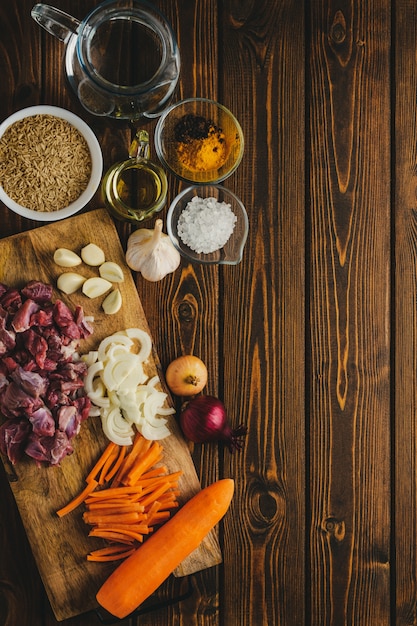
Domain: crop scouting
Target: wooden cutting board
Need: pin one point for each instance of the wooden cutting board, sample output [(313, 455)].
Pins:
[(60, 545)]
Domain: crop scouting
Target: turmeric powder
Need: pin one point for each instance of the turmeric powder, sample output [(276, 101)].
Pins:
[(201, 145)]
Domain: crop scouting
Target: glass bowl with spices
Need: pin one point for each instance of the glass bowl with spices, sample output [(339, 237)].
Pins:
[(200, 141), (50, 163), (208, 224)]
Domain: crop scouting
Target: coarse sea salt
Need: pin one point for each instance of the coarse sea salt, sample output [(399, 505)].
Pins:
[(206, 225)]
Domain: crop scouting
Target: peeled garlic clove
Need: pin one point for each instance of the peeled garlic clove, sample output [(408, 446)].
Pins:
[(111, 271), (70, 282), (96, 286), (66, 258), (112, 303), (92, 255)]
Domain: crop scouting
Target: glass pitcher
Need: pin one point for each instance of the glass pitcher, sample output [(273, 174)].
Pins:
[(122, 60)]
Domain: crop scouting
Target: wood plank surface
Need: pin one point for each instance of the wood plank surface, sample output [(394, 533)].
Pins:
[(350, 313), (405, 314), (60, 545), (263, 318), (311, 340)]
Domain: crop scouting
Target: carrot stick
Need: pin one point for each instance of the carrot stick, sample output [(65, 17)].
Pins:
[(115, 491), (146, 461), (113, 549), (155, 506), (154, 495), (164, 550), (136, 497), (94, 518), (116, 466), (155, 483), (123, 507), (159, 490), (171, 494), (112, 458), (100, 461), (109, 505), (147, 479), (140, 447), (108, 534), (156, 471), (125, 531), (140, 525), (166, 504), (158, 517), (117, 556), (91, 485)]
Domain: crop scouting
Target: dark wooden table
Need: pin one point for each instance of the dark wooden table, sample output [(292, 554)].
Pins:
[(312, 339)]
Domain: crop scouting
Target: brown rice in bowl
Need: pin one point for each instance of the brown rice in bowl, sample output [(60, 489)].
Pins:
[(50, 163)]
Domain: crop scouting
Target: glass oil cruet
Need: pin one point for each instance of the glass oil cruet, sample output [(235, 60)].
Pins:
[(136, 188)]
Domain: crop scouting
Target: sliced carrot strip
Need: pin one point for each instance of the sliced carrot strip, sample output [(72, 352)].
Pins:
[(170, 495), (115, 491), (166, 505), (111, 459), (108, 534), (172, 488), (78, 499), (100, 461), (139, 525), (147, 500), (154, 508), (159, 517), (116, 466), (110, 557), (147, 481), (112, 505), (118, 509), (162, 470), (139, 448), (146, 461), (125, 531), (94, 518), (98, 503), (113, 549)]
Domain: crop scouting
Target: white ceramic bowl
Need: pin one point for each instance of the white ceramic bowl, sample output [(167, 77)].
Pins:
[(96, 161)]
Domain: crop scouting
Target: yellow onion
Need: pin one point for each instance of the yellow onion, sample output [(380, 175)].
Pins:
[(186, 375)]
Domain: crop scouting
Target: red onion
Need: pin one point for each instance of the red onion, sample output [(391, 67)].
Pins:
[(204, 419)]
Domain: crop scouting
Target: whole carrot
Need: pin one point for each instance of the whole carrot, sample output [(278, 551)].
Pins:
[(127, 587)]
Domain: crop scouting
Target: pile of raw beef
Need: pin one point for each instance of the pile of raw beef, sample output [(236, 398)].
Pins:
[(42, 394)]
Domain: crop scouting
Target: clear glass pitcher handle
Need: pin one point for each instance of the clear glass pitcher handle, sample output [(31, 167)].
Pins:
[(55, 21)]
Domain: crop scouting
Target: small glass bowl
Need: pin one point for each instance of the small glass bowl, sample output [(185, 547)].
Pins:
[(232, 251), (199, 141), (96, 164)]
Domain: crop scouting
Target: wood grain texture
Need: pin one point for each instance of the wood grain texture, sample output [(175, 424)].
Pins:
[(349, 313), (262, 339), (312, 339), (405, 317), (60, 545)]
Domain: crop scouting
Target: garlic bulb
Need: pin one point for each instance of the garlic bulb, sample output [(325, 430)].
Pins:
[(152, 253)]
